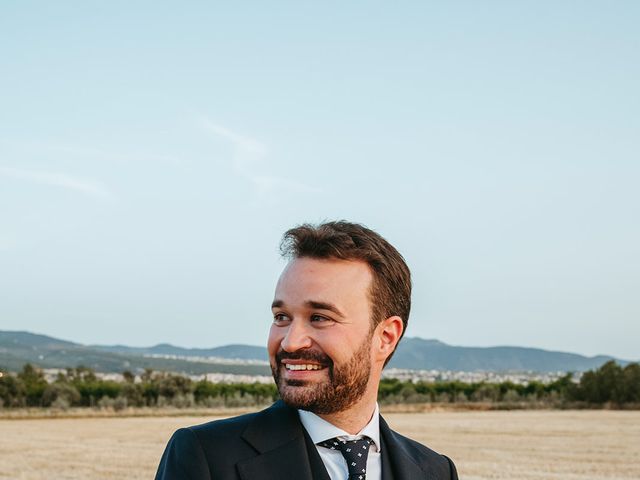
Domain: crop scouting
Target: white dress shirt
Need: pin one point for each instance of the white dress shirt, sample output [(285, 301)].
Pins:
[(320, 430)]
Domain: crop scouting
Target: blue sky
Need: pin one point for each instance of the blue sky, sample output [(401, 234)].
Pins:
[(152, 154)]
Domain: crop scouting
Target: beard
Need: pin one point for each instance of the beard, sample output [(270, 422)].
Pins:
[(345, 386)]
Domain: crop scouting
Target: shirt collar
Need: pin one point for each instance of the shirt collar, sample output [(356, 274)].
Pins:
[(320, 430)]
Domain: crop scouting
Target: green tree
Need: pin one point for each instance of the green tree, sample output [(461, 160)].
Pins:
[(609, 383), (631, 383), (34, 384), (60, 394), (12, 391)]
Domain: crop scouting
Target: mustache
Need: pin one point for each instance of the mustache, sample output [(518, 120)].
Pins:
[(316, 357)]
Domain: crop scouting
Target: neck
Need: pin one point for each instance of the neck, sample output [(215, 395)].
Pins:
[(354, 418)]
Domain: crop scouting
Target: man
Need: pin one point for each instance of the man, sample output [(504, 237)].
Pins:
[(341, 306)]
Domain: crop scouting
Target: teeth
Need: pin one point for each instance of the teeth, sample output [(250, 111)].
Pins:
[(290, 366)]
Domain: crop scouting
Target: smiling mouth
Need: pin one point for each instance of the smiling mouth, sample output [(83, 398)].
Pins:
[(304, 366)]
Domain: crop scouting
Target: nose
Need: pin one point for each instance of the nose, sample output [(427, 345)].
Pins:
[(296, 338)]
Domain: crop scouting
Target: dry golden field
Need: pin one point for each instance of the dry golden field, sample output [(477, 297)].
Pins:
[(568, 445)]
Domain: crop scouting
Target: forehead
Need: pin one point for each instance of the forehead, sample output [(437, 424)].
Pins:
[(338, 281)]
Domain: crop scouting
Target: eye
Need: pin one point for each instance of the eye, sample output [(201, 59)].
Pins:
[(315, 318), (280, 319)]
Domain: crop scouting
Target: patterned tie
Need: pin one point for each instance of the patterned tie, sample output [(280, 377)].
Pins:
[(355, 452)]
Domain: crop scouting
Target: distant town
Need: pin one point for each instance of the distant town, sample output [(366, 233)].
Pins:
[(404, 375)]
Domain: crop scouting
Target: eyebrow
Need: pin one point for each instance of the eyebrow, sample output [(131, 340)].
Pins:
[(312, 304), (324, 306)]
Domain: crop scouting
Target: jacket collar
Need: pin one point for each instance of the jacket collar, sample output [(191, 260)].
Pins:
[(285, 449)]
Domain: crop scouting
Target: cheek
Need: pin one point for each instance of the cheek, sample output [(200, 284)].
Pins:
[(274, 340)]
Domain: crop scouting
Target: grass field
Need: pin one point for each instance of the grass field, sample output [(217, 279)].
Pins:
[(568, 445)]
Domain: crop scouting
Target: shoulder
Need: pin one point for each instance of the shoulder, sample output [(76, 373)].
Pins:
[(419, 452), (230, 434), (195, 440), (226, 427), (429, 460), (210, 450), (270, 418)]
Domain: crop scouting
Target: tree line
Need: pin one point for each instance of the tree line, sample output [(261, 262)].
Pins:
[(81, 387), (610, 385)]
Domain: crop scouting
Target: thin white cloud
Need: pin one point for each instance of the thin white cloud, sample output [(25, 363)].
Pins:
[(56, 179), (241, 142), (250, 159), (40, 148)]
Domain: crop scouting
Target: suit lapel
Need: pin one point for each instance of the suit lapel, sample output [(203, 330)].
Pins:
[(286, 451), (283, 448), (286, 461), (385, 459), (396, 462), (318, 470)]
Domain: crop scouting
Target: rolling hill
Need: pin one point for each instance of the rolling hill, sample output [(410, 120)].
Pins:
[(18, 348), (435, 355)]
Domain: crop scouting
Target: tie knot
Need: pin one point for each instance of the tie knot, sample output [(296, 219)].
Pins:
[(355, 453)]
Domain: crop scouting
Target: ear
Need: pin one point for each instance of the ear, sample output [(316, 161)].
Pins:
[(387, 335)]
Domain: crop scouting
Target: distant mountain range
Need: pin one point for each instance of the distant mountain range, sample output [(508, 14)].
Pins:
[(435, 355), (18, 348), (237, 352)]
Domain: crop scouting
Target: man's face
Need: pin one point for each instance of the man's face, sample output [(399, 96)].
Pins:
[(320, 340)]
